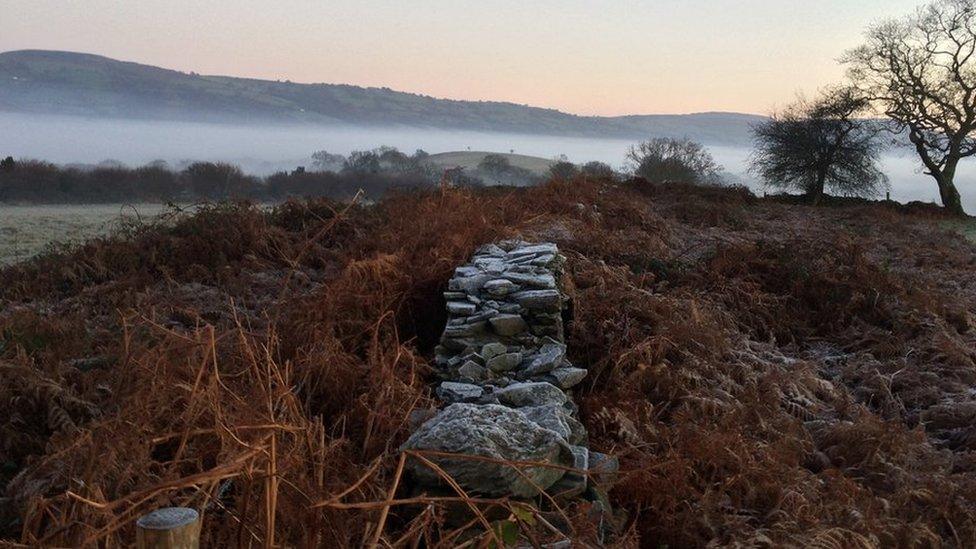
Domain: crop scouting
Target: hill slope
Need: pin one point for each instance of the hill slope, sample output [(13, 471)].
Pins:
[(35, 81)]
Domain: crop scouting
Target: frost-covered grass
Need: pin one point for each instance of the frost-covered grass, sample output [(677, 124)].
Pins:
[(28, 230)]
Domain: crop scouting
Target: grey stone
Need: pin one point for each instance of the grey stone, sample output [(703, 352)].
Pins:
[(491, 250), (500, 286), (462, 308), (539, 281), (549, 357), (573, 483), (558, 419), (451, 392), (466, 330), (539, 300), (508, 325), (519, 395), (455, 295), (492, 350), (472, 371), (604, 469), (469, 284), (505, 362), (534, 249), (494, 432), (567, 377)]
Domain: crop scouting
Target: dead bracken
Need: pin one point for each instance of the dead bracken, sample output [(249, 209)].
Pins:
[(768, 374)]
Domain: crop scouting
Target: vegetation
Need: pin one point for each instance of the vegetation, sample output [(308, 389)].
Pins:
[(921, 73), (816, 146), (673, 160), (768, 374)]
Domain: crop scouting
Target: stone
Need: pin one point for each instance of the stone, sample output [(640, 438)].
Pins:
[(468, 284), (455, 295), (462, 308), (508, 325), (500, 287), (519, 395), (539, 300), (567, 377), (465, 330), (556, 418), (451, 392), (492, 350), (604, 469), (573, 484), (538, 281), (494, 432), (505, 362), (472, 371), (549, 357), (491, 250)]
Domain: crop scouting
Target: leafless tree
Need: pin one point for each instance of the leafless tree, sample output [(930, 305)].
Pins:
[(921, 72), (665, 159), (821, 145)]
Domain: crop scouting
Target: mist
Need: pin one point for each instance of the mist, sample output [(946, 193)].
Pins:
[(264, 149)]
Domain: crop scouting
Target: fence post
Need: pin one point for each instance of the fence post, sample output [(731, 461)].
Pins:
[(169, 528)]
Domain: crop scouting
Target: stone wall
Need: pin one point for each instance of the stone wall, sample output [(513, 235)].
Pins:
[(506, 384)]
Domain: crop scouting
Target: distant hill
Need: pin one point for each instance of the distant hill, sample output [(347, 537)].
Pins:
[(55, 82), (469, 160)]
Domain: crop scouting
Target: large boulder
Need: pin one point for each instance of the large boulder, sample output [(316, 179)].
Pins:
[(495, 432)]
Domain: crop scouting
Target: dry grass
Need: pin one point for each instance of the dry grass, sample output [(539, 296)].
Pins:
[(769, 374)]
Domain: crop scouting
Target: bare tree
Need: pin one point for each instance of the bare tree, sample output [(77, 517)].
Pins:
[(815, 146), (920, 71), (665, 159)]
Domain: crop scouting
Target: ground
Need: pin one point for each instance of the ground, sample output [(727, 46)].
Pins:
[(770, 374)]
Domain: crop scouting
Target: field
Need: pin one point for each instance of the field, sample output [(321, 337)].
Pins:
[(469, 160), (29, 230), (769, 374)]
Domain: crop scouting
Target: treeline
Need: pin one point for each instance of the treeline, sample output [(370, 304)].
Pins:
[(34, 181), (330, 175)]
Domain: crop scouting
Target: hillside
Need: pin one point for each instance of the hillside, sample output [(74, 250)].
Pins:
[(469, 160), (768, 374), (33, 81)]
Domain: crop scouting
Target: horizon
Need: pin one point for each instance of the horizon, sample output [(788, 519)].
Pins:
[(629, 58)]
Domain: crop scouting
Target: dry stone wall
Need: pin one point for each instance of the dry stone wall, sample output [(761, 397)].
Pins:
[(506, 384)]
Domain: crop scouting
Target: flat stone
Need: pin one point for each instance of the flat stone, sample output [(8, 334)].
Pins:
[(469, 284), (455, 295), (500, 286), (549, 357), (508, 325), (539, 281), (539, 300), (452, 392), (519, 395), (567, 377), (462, 308), (494, 432), (504, 363), (491, 250), (466, 330)]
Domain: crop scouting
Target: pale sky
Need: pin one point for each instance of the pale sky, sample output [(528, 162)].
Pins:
[(581, 56)]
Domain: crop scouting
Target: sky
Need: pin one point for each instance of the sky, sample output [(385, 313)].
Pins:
[(581, 56)]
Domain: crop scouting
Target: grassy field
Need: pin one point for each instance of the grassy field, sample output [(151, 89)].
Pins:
[(27, 230), (469, 160)]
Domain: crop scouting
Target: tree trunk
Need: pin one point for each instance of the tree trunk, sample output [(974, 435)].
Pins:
[(816, 193), (947, 188)]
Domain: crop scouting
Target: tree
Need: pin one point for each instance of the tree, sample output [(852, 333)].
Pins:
[(666, 159), (920, 71), (324, 161), (598, 170), (814, 146), (7, 164), (362, 162), (563, 170)]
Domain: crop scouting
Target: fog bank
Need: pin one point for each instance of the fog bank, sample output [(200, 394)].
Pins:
[(261, 150)]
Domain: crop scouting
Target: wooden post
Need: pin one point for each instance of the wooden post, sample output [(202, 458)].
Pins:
[(169, 528)]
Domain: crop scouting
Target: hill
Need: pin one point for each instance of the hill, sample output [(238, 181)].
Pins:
[(469, 160), (769, 374), (54, 82)]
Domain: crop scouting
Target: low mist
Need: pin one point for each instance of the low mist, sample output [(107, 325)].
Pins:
[(262, 150)]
